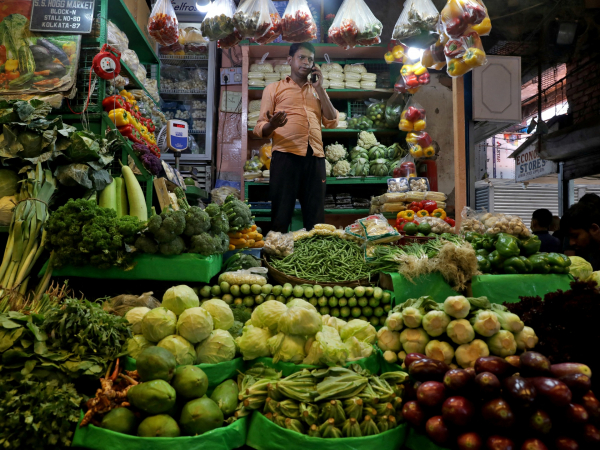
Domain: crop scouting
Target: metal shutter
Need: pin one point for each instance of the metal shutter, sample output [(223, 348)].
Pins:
[(511, 198), (482, 198)]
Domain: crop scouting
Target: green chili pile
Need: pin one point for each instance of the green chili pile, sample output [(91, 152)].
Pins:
[(325, 259)]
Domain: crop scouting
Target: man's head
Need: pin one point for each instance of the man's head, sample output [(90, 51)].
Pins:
[(583, 225), (301, 59), (541, 220)]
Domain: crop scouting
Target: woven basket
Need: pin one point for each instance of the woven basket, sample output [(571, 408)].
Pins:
[(282, 278)]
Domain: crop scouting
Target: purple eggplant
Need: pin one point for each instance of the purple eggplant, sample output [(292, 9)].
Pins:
[(412, 357), (497, 413), (565, 443), (456, 380), (457, 411), (576, 414), (553, 390), (437, 430), (519, 390), (426, 369), (592, 406), (494, 364), (499, 443), (514, 361), (534, 364), (431, 394), (560, 370), (579, 383), (591, 435), (533, 444), (410, 390), (540, 422), (488, 384), (413, 414), (469, 441)]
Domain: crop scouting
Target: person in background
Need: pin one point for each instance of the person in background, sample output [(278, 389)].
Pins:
[(291, 112), (589, 199), (582, 225), (540, 224)]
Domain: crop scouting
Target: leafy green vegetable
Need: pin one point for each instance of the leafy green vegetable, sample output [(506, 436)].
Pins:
[(12, 33)]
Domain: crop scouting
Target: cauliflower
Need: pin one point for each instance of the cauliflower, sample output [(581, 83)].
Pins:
[(335, 152), (327, 168), (366, 140), (341, 169)]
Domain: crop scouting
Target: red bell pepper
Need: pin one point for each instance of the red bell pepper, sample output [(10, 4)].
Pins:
[(424, 79), (429, 205), (131, 133), (415, 206), (400, 85), (150, 125), (424, 140), (456, 27), (473, 13), (450, 221), (411, 80), (454, 48), (113, 102), (413, 114)]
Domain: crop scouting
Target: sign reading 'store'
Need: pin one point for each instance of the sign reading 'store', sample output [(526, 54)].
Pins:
[(528, 165)]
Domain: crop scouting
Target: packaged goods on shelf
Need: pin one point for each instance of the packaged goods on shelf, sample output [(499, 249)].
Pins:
[(116, 37), (272, 77), (342, 116), (342, 124), (256, 83), (367, 85), (253, 115), (264, 67), (418, 184), (398, 185), (337, 85), (368, 77), (335, 75), (392, 207), (283, 68), (357, 68), (199, 114), (256, 75), (352, 76), (192, 35), (199, 104), (271, 82), (355, 85), (199, 125), (331, 67), (130, 58), (325, 84), (254, 105)]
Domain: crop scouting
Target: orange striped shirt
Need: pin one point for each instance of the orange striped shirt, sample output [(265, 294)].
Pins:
[(304, 116)]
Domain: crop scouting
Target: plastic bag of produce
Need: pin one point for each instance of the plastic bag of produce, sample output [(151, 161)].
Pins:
[(218, 23), (116, 37), (420, 145), (376, 112), (274, 30), (411, 78), (393, 109), (355, 24), (433, 57), (162, 24), (460, 16), (418, 18), (229, 41), (279, 244), (464, 53), (120, 304), (252, 19), (298, 23), (378, 230), (412, 117)]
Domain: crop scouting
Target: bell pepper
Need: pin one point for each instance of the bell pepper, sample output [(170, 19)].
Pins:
[(507, 245), (13, 75), (483, 264), (416, 151), (439, 212), (450, 221), (400, 222), (488, 242), (514, 265), (527, 263), (456, 67), (398, 53), (474, 57), (424, 79), (389, 58), (407, 215), (473, 13), (119, 117), (151, 126), (559, 263), (495, 259), (406, 70), (11, 65), (539, 263), (113, 102), (415, 206), (405, 125), (422, 213), (454, 48), (483, 28), (135, 122), (482, 252), (472, 39), (456, 27), (419, 69), (400, 85), (419, 125), (423, 139), (427, 58), (129, 132), (429, 152), (471, 236), (411, 80), (413, 91), (530, 246), (413, 114), (429, 205), (412, 138)]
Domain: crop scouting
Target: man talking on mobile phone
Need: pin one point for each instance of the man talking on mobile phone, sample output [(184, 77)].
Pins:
[(291, 112)]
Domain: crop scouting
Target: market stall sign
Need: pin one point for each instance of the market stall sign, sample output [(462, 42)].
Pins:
[(528, 165), (62, 16)]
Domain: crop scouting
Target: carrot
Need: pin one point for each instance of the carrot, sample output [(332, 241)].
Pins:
[(43, 73), (237, 242)]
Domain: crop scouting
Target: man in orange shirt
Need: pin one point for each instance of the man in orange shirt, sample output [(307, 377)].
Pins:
[(291, 112)]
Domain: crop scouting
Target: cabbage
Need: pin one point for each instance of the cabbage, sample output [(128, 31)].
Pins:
[(136, 344), (159, 323), (300, 303), (179, 298), (314, 355), (180, 348), (361, 329), (195, 324), (216, 348), (580, 268), (300, 321), (267, 314), (334, 351), (357, 349), (286, 348), (253, 342), (220, 312), (595, 277), (134, 316)]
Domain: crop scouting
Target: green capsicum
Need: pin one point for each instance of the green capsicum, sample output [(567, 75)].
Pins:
[(514, 265), (482, 252), (530, 246), (539, 263), (507, 245), (483, 264), (495, 259), (559, 263), (470, 235), (489, 243)]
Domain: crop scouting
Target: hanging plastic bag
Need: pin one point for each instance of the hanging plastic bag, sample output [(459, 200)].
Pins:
[(230, 40), (393, 109), (251, 19), (298, 22), (417, 20), (274, 30), (464, 54), (411, 78), (412, 117), (218, 23), (162, 24), (433, 57), (376, 113), (355, 24), (420, 144), (460, 15), (396, 52)]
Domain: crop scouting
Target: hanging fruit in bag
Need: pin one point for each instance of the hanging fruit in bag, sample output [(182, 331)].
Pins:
[(162, 24), (417, 20), (412, 117), (274, 30), (230, 40), (252, 18), (355, 24), (396, 53), (218, 23), (464, 54), (460, 15), (298, 23)]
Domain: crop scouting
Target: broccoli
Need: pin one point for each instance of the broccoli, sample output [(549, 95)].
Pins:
[(196, 221), (219, 223), (238, 213), (223, 241), (204, 244), (212, 209), (146, 244), (175, 247), (167, 226)]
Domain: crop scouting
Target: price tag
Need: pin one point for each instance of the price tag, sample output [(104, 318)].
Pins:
[(62, 16)]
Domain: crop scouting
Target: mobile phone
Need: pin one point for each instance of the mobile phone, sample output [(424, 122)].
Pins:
[(313, 77)]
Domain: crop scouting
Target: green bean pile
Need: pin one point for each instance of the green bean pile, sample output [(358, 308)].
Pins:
[(327, 259)]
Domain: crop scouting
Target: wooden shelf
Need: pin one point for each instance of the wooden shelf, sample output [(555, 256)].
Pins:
[(280, 50)]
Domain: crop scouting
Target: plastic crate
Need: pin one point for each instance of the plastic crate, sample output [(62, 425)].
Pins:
[(356, 108)]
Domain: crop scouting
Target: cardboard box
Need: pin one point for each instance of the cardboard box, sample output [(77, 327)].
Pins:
[(132, 6), (143, 14)]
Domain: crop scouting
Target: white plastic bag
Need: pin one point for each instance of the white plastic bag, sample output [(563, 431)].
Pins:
[(162, 24), (355, 24), (274, 30), (218, 23), (417, 16), (116, 37), (252, 19), (229, 41), (298, 22)]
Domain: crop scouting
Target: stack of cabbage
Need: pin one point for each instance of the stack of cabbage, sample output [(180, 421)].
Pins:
[(297, 333), (461, 329), (194, 334)]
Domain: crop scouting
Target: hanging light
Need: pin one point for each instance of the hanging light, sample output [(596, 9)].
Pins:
[(414, 53), (203, 5)]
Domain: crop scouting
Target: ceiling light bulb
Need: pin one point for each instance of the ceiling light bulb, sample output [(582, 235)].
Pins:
[(203, 5), (414, 53)]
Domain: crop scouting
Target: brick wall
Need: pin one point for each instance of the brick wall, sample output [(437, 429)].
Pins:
[(583, 88)]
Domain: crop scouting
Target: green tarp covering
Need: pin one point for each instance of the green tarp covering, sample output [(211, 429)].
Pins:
[(432, 284), (418, 441), (508, 288)]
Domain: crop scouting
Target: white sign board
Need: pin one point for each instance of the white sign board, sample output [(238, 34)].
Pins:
[(528, 165)]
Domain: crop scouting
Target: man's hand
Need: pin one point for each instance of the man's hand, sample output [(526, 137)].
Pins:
[(319, 83), (277, 120)]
